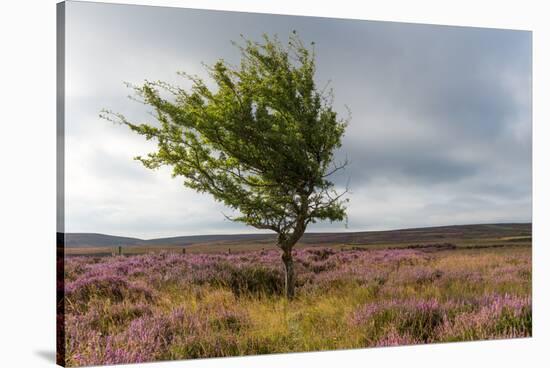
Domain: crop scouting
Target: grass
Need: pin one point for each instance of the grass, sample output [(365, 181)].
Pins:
[(174, 306)]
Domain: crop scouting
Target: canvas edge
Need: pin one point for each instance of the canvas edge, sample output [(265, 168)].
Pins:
[(60, 183)]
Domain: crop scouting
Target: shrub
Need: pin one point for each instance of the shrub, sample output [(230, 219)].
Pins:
[(417, 320), (107, 318), (241, 278), (320, 254), (255, 280), (115, 288), (420, 319)]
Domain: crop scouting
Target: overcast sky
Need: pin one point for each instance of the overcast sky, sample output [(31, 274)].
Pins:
[(440, 131)]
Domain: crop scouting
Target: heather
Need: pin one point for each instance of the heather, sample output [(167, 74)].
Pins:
[(177, 306)]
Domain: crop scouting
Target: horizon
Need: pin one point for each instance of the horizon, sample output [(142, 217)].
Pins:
[(307, 232)]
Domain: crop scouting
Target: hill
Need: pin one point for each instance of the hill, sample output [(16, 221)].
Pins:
[(464, 233)]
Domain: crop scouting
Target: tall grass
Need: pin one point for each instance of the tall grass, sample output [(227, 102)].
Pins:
[(177, 306)]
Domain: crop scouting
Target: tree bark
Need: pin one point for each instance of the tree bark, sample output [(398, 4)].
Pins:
[(289, 273), (286, 242)]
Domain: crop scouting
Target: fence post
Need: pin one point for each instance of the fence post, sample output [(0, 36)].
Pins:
[(119, 250)]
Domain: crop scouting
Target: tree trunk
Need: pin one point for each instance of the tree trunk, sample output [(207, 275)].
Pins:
[(289, 273)]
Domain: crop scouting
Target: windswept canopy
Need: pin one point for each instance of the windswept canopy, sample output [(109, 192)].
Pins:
[(261, 142)]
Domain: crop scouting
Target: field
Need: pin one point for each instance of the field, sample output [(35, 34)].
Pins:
[(208, 302)]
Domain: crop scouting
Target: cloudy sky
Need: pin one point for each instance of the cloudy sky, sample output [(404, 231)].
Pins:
[(440, 131)]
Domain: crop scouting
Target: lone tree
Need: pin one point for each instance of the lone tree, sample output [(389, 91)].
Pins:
[(261, 142)]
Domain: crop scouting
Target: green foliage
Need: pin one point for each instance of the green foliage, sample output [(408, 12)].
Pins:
[(262, 141)]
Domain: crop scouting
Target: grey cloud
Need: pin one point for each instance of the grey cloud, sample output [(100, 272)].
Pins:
[(440, 130)]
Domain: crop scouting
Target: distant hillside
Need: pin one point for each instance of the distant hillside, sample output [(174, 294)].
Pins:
[(416, 235), (76, 240)]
